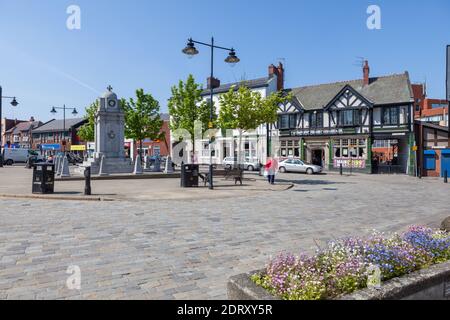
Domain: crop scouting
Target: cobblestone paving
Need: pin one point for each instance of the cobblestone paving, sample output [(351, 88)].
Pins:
[(188, 249)]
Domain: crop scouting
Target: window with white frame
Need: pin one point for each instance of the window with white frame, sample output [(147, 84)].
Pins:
[(350, 148)]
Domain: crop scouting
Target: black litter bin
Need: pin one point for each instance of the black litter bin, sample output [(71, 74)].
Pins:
[(43, 178), (189, 175)]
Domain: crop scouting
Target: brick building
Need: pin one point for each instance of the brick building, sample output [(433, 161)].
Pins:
[(433, 155), (434, 111), (153, 148), (8, 124), (50, 137), (21, 135)]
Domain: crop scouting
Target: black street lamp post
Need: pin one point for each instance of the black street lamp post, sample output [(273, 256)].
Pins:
[(232, 59), (74, 112), (14, 103)]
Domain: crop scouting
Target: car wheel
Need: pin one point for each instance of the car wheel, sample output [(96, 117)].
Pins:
[(283, 170), (251, 168), (9, 162), (310, 171)]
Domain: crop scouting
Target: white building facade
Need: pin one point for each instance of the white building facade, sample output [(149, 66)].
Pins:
[(254, 144)]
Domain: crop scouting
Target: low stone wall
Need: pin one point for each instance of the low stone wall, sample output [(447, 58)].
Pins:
[(428, 284)]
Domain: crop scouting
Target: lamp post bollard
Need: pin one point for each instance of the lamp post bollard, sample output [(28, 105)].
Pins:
[(232, 59), (340, 169), (14, 103), (420, 173), (87, 179), (445, 176)]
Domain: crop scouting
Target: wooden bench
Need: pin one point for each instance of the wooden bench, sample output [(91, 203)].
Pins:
[(235, 174)]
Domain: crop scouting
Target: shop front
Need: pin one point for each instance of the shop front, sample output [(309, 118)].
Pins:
[(351, 153), (317, 151)]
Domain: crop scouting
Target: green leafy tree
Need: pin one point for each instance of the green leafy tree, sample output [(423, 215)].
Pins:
[(186, 106), (86, 131), (142, 118), (245, 110)]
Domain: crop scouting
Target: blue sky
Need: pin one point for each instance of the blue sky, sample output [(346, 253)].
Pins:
[(137, 44)]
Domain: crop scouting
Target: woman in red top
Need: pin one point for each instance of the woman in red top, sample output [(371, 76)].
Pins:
[(271, 168)]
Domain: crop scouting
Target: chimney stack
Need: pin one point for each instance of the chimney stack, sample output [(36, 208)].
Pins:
[(366, 73), (279, 72), (213, 83)]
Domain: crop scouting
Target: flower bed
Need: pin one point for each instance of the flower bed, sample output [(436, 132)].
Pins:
[(344, 266)]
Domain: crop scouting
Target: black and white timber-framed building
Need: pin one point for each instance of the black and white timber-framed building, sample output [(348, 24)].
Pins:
[(343, 123)]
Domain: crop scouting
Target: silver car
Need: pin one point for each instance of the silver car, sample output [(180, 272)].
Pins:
[(294, 165), (230, 162)]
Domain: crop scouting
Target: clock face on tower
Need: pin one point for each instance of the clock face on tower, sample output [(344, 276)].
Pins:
[(112, 103)]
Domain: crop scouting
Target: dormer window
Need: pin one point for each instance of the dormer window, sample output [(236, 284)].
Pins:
[(287, 121), (349, 118), (316, 119)]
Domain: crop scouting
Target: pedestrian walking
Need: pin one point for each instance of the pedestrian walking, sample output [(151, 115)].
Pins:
[(271, 169)]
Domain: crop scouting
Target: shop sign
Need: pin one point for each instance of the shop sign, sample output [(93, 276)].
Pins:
[(317, 132), (350, 163), (77, 148)]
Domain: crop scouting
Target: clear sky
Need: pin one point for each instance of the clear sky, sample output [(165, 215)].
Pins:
[(137, 44)]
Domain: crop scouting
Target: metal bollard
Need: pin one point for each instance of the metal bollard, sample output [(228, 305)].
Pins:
[(87, 177), (340, 169), (420, 173), (445, 176)]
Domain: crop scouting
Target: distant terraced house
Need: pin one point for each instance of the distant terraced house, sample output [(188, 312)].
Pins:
[(57, 135), (21, 135)]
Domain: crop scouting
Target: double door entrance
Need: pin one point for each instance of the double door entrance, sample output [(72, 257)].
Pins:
[(318, 157)]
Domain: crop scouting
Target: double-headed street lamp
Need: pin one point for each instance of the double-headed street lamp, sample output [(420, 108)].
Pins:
[(14, 103), (74, 112), (232, 59)]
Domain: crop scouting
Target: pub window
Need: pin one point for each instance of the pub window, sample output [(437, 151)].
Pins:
[(292, 121), (349, 117), (316, 120), (287, 121), (391, 116), (350, 148), (284, 121), (290, 148)]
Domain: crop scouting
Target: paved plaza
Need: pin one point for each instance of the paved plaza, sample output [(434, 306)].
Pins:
[(187, 249)]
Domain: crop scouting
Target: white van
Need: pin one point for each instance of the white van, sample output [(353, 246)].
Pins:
[(11, 156)]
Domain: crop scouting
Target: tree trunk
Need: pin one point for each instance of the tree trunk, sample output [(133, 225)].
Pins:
[(240, 158), (140, 151)]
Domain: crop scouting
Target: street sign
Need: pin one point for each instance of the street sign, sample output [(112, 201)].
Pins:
[(415, 148)]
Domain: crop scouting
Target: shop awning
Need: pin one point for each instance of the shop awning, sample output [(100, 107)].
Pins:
[(429, 152), (445, 151)]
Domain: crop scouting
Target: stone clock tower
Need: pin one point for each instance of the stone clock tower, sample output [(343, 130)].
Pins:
[(109, 137), (109, 127)]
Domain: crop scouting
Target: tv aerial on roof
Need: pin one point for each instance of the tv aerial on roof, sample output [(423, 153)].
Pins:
[(359, 62)]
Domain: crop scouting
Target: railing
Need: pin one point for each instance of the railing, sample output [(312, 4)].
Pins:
[(388, 169)]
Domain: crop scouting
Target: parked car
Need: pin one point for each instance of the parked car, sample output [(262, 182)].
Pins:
[(294, 165), (230, 162)]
